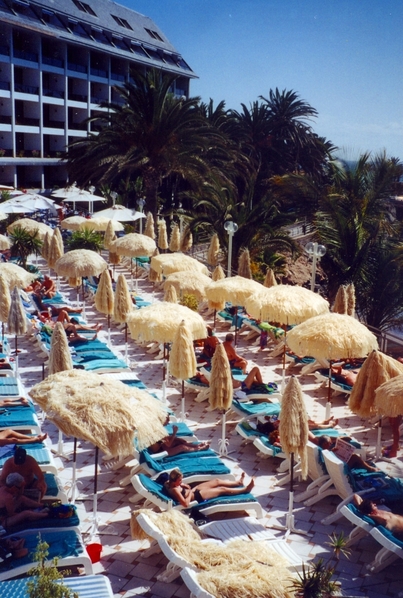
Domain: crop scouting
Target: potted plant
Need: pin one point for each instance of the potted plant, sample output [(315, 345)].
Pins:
[(46, 578)]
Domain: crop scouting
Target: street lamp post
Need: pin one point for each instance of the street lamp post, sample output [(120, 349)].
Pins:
[(231, 228), (316, 251), (141, 203), (180, 220), (114, 196)]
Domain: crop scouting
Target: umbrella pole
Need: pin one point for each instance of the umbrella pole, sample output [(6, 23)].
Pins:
[(131, 274), (74, 474), (378, 451), (126, 346), (290, 525), (137, 282), (183, 413), (16, 356), (78, 296), (2, 334), (223, 442), (214, 322), (164, 389), (59, 451), (109, 329), (94, 528), (236, 325), (329, 393), (82, 286)]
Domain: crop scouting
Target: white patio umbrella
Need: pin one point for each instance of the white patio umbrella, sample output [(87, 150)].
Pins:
[(11, 208), (5, 243), (35, 202), (119, 213), (17, 320), (79, 196), (3, 216)]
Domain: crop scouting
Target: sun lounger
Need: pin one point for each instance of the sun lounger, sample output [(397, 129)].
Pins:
[(48, 523), (38, 450), (10, 388), (67, 545), (197, 466), (19, 417), (337, 384), (249, 409), (155, 494), (189, 576), (392, 549), (86, 586)]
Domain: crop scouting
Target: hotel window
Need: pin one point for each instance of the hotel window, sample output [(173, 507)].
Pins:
[(50, 18), (154, 34), (84, 7), (122, 22)]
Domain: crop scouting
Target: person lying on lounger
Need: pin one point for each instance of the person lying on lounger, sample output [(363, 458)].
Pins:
[(271, 428), (174, 445), (11, 402), (209, 345), (235, 360), (34, 479), (355, 461), (253, 378), (392, 521), (184, 494), (12, 437), (44, 307), (16, 508), (346, 376)]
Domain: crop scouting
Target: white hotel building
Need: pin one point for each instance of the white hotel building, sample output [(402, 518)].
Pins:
[(58, 60)]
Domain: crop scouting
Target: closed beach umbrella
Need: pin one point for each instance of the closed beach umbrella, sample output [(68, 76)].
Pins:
[(351, 299), (221, 390), (389, 397), (167, 264), (123, 305), (114, 259), (154, 276), (214, 248), (341, 301), (186, 240), (270, 279), (175, 240), (31, 226), (59, 355), (104, 298), (17, 320), (170, 294), (4, 243), (15, 275), (149, 229), (191, 282), (182, 362), (55, 250), (72, 222), (46, 246), (5, 302), (162, 235), (109, 235), (294, 436), (244, 268), (218, 274)]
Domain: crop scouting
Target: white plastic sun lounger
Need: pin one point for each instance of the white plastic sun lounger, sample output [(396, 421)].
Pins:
[(86, 586), (190, 579)]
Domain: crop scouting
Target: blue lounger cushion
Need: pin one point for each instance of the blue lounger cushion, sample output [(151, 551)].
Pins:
[(202, 462), (135, 383), (276, 449), (91, 356), (61, 545), (17, 415), (249, 408), (52, 487), (95, 345), (183, 429), (102, 364), (46, 523), (9, 387), (35, 449)]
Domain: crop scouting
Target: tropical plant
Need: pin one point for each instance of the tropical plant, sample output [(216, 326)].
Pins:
[(190, 301), (46, 578), (86, 239), (24, 244), (153, 135)]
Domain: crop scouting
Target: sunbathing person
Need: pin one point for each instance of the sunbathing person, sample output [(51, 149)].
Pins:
[(347, 376), (184, 494), (16, 401), (381, 516), (16, 508), (253, 378), (235, 360), (355, 461), (271, 428), (48, 287), (174, 445), (34, 479), (44, 307), (391, 451), (209, 345), (12, 437)]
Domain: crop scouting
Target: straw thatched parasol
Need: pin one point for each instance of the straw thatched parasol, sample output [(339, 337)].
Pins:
[(234, 288), (340, 305), (5, 243), (244, 268), (175, 240), (72, 223), (218, 274), (15, 276), (74, 281), (389, 397), (123, 305), (46, 246), (270, 279), (159, 322), (17, 320), (154, 276), (109, 235), (182, 363), (286, 304), (189, 282), (332, 336), (294, 436), (186, 240), (101, 224), (170, 295), (104, 298), (103, 411), (221, 390), (59, 355), (31, 226), (214, 248), (167, 264), (133, 245), (149, 229), (114, 259), (351, 299), (55, 250), (79, 263), (162, 235), (5, 302), (377, 369)]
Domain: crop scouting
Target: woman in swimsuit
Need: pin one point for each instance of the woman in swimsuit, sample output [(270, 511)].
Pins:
[(184, 494)]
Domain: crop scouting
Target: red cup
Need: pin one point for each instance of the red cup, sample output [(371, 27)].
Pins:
[(94, 552)]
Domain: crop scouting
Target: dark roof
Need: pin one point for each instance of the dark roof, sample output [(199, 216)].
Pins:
[(96, 17)]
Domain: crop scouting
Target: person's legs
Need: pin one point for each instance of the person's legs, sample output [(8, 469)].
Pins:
[(356, 461), (209, 493), (216, 483), (19, 438), (63, 316), (254, 377), (9, 522)]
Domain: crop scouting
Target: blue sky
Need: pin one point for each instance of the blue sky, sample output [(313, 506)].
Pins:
[(344, 57)]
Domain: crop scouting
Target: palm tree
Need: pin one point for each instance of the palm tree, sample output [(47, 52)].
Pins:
[(24, 244), (153, 135), (353, 214), (86, 239)]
